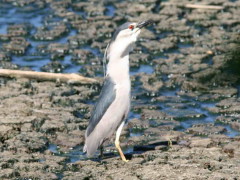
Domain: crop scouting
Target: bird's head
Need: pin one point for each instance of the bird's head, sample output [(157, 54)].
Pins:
[(125, 36)]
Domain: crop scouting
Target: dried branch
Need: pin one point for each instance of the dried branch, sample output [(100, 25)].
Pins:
[(194, 6), (201, 6), (45, 76)]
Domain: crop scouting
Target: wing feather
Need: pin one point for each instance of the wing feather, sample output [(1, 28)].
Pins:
[(106, 97)]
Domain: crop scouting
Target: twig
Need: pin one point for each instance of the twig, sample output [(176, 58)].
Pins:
[(195, 6), (201, 6), (69, 78)]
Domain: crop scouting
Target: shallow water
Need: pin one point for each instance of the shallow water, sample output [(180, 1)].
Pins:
[(110, 10), (74, 155), (142, 69)]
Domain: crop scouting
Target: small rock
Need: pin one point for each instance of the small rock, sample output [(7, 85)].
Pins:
[(50, 33), (205, 129), (17, 45), (200, 142)]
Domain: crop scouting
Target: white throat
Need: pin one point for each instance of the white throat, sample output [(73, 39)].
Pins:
[(118, 69)]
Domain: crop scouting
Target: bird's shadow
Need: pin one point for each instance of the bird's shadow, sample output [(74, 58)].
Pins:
[(139, 149)]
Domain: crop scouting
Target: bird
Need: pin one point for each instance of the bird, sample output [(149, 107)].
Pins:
[(111, 110)]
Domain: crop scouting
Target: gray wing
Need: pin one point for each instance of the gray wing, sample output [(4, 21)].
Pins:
[(107, 96)]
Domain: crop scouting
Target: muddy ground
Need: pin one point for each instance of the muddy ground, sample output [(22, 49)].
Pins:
[(185, 88)]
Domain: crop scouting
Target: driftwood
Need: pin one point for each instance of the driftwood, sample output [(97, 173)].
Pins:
[(201, 6), (45, 76), (194, 6)]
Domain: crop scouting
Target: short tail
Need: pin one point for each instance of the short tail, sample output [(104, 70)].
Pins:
[(91, 145)]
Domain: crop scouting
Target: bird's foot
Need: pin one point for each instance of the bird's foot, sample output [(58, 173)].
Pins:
[(124, 159), (120, 152)]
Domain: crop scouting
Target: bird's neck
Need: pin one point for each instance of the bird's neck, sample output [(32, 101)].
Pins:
[(118, 69)]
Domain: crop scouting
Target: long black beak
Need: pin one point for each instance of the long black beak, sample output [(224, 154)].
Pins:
[(144, 23)]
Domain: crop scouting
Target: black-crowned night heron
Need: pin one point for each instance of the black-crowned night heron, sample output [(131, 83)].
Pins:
[(112, 108)]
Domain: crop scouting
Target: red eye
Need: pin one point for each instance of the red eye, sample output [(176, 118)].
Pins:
[(131, 27)]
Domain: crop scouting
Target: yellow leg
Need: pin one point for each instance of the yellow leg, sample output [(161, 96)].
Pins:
[(120, 151), (117, 143)]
